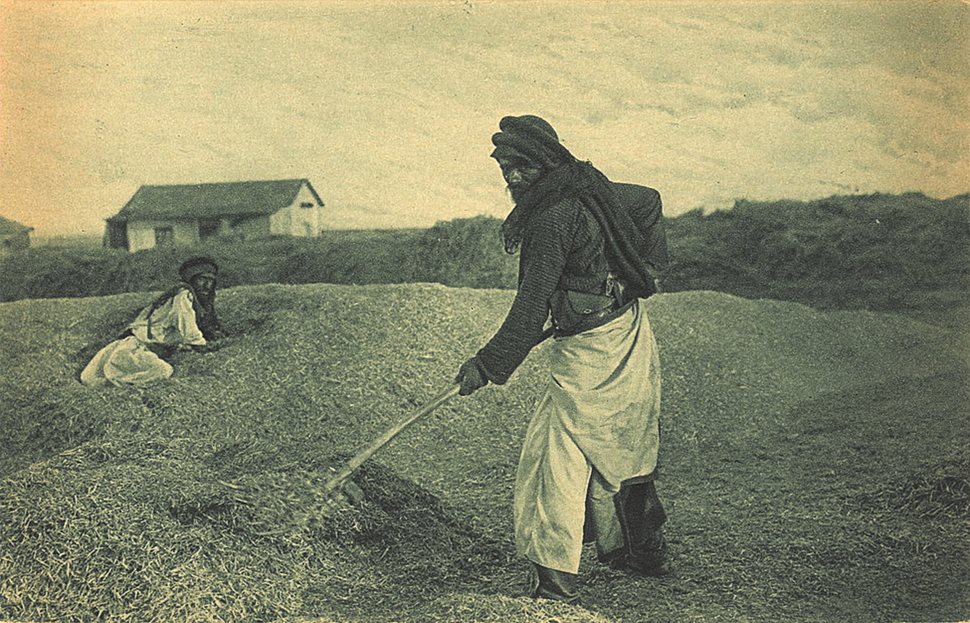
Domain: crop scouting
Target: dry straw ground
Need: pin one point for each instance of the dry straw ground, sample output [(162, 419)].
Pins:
[(815, 467)]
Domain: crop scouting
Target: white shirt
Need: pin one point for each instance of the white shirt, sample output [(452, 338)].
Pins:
[(172, 323)]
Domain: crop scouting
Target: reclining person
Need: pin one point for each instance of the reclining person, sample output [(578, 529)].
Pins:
[(183, 318)]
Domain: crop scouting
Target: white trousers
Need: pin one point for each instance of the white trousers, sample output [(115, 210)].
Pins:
[(125, 362)]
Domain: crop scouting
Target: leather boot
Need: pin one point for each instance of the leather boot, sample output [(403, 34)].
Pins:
[(548, 583), (641, 517), (649, 558)]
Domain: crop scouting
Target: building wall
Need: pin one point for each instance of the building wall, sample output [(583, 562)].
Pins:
[(297, 220), (141, 234), (302, 218), (247, 227)]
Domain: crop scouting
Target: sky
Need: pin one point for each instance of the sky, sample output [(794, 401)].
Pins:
[(388, 108)]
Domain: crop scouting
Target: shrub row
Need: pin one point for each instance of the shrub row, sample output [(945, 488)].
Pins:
[(880, 251), (876, 251)]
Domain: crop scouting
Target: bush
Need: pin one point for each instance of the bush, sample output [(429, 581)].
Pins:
[(874, 251), (467, 253), (358, 257), (862, 251)]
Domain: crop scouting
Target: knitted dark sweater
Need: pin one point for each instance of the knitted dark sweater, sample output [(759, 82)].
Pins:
[(562, 248)]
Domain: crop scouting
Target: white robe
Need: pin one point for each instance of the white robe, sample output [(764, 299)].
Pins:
[(128, 361), (596, 426)]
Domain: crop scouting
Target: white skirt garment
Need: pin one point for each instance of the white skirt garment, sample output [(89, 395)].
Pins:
[(601, 412)]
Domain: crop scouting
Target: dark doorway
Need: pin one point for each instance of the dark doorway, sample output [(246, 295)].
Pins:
[(164, 237), (117, 235), (209, 227)]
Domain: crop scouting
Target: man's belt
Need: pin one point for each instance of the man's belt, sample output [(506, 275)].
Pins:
[(574, 311)]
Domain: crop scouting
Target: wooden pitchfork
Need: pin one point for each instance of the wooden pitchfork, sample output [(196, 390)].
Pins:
[(358, 459), (337, 481)]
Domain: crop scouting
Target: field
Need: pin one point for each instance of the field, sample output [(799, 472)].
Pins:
[(815, 466)]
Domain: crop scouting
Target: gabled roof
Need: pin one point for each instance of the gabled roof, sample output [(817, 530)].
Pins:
[(9, 228), (212, 200)]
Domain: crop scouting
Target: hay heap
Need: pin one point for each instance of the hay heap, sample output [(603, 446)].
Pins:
[(199, 498), (116, 531)]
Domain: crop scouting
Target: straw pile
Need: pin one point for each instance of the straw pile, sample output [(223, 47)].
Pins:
[(199, 498)]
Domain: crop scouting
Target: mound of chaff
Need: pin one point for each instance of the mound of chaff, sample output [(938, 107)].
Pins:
[(156, 530), (200, 498), (944, 492)]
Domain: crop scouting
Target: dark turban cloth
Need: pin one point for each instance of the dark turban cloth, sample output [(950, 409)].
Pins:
[(198, 266), (566, 178), (531, 138)]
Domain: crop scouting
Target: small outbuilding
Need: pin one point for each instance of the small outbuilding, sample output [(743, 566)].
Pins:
[(181, 215), (13, 236)]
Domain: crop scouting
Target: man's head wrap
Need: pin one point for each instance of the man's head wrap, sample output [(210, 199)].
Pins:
[(531, 138), (198, 266), (564, 177)]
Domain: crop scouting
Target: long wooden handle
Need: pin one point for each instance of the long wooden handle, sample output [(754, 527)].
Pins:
[(392, 432), (388, 435)]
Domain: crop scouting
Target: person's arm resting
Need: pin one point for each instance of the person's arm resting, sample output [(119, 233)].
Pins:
[(188, 329)]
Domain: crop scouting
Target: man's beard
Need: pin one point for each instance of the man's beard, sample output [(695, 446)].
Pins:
[(206, 297), (516, 192), (205, 301), (512, 226), (205, 313)]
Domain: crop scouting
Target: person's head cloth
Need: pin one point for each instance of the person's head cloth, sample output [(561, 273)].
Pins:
[(192, 268), (530, 138)]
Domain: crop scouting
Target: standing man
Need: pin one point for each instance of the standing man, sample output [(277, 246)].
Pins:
[(588, 250), (184, 317)]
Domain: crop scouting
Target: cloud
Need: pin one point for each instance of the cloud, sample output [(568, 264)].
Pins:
[(391, 107)]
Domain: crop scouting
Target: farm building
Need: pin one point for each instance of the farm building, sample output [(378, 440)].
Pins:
[(13, 236), (186, 214)]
